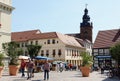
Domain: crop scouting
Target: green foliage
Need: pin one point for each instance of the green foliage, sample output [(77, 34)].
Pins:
[(33, 50), (87, 60), (12, 51), (20, 51), (115, 52), (1, 58)]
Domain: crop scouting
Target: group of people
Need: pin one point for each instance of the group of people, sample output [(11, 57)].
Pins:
[(30, 67)]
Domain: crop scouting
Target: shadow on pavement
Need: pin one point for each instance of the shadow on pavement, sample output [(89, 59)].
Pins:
[(25, 80), (37, 80), (112, 79)]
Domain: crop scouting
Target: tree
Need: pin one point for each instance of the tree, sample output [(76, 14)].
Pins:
[(86, 59), (11, 50), (33, 50), (20, 51), (115, 52), (1, 58)]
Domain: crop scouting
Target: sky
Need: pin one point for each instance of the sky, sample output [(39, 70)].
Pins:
[(64, 16)]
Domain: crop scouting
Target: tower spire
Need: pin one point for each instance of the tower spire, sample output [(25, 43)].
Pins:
[(86, 6), (86, 26)]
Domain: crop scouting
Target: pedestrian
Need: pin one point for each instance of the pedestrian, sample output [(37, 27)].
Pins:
[(29, 66), (57, 67), (61, 67), (46, 68), (33, 67), (22, 67)]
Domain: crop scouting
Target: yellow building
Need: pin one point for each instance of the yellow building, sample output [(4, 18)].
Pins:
[(54, 45)]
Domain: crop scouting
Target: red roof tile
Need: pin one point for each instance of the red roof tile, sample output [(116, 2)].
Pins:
[(44, 35), (105, 39), (24, 35)]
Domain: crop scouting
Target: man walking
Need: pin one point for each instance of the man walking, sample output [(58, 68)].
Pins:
[(46, 68)]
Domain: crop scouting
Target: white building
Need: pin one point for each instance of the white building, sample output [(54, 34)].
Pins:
[(5, 21), (55, 45)]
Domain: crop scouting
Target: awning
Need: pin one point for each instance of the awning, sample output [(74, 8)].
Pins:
[(103, 56), (43, 58)]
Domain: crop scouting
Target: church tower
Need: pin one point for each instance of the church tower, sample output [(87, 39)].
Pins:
[(86, 27), (5, 21)]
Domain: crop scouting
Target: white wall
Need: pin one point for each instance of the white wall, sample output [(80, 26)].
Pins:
[(5, 21), (8, 2)]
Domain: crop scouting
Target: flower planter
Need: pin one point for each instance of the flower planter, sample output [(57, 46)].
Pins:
[(13, 70), (85, 71), (1, 69)]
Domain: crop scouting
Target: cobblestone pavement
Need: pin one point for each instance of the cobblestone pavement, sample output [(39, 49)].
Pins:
[(63, 76)]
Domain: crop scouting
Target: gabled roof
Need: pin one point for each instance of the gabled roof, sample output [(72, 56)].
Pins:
[(68, 40), (31, 35), (23, 35), (107, 38)]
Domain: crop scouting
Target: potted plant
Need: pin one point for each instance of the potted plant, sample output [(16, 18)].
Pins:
[(12, 51), (1, 63), (86, 64)]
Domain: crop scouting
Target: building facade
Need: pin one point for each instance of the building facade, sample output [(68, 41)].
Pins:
[(54, 45), (105, 40), (5, 21)]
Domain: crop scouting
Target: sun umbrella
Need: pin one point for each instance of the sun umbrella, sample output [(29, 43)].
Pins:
[(23, 57)]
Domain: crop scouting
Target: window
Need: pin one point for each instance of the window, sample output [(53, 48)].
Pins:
[(95, 54), (18, 45), (95, 50), (26, 44), (54, 53), (77, 53), (48, 41), (100, 50), (47, 53), (31, 42), (59, 52), (53, 41), (42, 52), (22, 44), (106, 51), (36, 42), (44, 42)]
